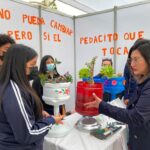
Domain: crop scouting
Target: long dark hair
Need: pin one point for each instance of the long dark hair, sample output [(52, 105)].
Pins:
[(13, 69), (5, 39), (143, 46), (43, 68)]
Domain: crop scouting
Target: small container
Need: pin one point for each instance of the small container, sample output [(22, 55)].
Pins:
[(114, 86), (85, 92)]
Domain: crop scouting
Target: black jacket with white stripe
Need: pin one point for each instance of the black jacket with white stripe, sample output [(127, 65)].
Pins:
[(18, 128)]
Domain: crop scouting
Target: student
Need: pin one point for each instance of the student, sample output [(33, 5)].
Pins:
[(137, 114), (105, 62), (23, 123), (5, 42), (46, 66)]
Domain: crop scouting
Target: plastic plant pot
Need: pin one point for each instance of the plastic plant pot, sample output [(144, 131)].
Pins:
[(85, 92), (114, 86)]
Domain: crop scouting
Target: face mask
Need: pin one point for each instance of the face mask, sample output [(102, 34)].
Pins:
[(33, 73), (50, 67)]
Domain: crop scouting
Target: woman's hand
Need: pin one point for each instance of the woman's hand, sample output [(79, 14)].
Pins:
[(45, 114), (126, 101), (94, 103), (58, 118)]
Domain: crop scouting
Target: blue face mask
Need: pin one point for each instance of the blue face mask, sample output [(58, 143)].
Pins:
[(50, 67)]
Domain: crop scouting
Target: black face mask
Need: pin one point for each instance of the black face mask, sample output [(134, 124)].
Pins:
[(33, 73)]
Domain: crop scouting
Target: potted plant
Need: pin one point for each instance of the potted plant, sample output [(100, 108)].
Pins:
[(86, 88), (56, 90), (87, 72), (113, 83)]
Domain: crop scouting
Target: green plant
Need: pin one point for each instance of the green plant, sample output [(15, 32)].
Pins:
[(84, 73), (107, 71), (61, 79), (43, 78), (68, 77), (90, 66), (49, 76), (88, 71), (56, 61)]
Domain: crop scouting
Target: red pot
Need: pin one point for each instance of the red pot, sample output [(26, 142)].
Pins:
[(85, 94)]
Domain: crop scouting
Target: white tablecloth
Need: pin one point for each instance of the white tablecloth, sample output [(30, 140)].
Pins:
[(77, 140)]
